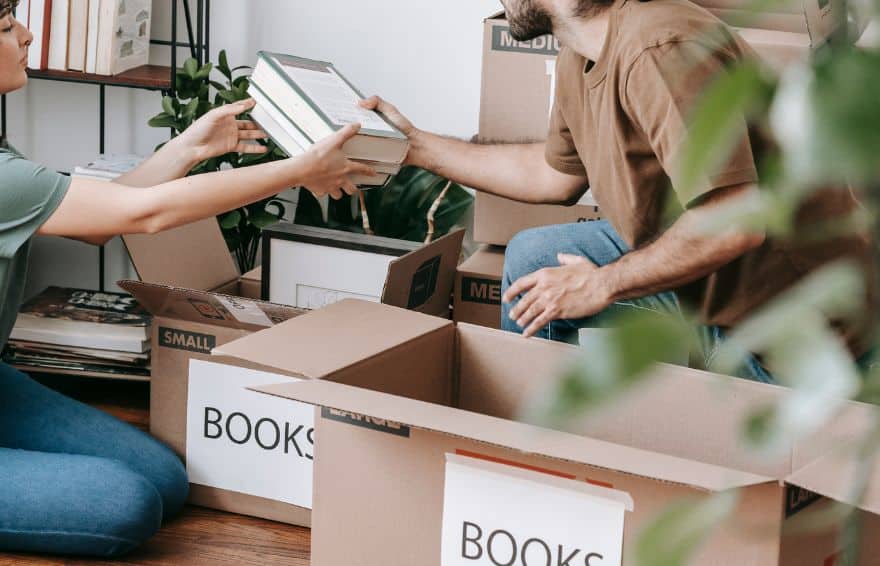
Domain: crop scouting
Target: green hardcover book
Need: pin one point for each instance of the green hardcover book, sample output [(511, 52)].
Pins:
[(317, 100)]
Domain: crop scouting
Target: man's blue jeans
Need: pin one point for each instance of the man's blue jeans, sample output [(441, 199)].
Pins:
[(537, 248), (73, 479)]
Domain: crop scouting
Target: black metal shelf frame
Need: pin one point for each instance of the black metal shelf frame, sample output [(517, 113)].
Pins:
[(199, 46)]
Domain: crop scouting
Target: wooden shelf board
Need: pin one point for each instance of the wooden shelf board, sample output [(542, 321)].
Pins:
[(150, 77)]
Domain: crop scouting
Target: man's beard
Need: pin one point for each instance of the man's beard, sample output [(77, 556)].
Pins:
[(528, 21)]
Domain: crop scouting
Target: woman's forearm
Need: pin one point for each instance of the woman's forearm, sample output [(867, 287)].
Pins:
[(173, 161)]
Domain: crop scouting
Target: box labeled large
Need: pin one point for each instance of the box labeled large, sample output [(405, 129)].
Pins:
[(477, 296), (415, 393)]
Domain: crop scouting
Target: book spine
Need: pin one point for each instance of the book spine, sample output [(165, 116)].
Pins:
[(35, 25), (58, 35), (47, 30), (92, 36)]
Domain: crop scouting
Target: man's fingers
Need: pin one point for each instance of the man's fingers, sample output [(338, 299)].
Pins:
[(370, 103), (522, 305), (570, 259), (534, 310), (520, 286), (538, 324), (336, 194)]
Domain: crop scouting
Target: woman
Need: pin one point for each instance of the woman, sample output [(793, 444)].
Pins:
[(74, 480)]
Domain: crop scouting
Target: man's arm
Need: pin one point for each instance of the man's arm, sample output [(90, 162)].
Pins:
[(687, 251), (515, 171)]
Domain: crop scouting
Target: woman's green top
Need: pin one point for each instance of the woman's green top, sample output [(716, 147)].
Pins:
[(29, 194)]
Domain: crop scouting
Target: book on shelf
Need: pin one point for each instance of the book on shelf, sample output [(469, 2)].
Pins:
[(80, 318), (58, 31), (104, 37), (302, 101), (77, 35)]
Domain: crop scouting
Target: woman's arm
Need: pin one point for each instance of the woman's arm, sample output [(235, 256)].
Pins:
[(95, 209), (216, 133)]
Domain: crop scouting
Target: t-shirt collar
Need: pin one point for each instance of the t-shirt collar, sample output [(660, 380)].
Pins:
[(596, 72)]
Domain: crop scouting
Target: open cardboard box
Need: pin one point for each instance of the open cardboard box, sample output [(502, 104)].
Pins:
[(189, 321), (387, 425)]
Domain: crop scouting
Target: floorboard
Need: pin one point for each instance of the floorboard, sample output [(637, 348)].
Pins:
[(199, 536)]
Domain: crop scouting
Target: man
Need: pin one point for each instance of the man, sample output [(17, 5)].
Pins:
[(628, 75)]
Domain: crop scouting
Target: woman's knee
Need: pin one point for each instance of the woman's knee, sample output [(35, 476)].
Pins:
[(166, 472), (134, 513)]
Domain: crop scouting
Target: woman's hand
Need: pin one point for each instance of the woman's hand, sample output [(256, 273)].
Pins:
[(327, 167), (219, 132)]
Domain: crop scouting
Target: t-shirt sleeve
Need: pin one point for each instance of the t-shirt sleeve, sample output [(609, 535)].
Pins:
[(560, 151), (660, 93), (29, 194)]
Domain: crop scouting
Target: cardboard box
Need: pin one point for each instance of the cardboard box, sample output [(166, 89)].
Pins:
[(516, 97), (387, 430), (194, 256), (311, 267), (477, 297), (189, 322)]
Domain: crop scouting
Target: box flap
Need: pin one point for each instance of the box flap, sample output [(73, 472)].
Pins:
[(511, 434), (836, 476), (208, 308), (194, 256), (334, 337), (488, 260), (499, 15), (822, 17), (422, 280)]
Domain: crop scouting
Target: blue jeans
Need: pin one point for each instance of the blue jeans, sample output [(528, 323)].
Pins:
[(537, 248), (74, 480)]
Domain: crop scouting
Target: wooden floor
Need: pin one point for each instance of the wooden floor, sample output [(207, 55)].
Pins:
[(198, 536)]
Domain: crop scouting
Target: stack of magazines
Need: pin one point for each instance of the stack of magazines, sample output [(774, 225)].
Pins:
[(107, 167), (80, 331)]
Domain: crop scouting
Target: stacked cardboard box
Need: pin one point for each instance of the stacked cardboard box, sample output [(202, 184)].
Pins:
[(516, 98), (414, 396), (244, 452)]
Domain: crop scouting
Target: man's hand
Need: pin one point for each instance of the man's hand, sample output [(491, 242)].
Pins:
[(573, 290), (219, 132), (394, 116)]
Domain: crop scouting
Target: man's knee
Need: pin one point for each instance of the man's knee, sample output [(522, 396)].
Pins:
[(525, 252)]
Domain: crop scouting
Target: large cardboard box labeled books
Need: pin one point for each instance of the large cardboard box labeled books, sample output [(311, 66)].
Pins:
[(244, 452), (477, 295), (518, 87), (420, 451)]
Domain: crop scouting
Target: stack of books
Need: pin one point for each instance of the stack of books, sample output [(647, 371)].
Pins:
[(80, 331), (301, 101), (102, 37), (107, 167)]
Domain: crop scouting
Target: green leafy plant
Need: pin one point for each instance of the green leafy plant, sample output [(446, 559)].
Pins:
[(398, 210), (196, 94)]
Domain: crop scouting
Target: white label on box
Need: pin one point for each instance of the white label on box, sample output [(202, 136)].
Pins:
[(498, 514), (245, 311), (248, 442)]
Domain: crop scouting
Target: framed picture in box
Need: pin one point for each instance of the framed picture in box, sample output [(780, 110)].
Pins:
[(309, 267)]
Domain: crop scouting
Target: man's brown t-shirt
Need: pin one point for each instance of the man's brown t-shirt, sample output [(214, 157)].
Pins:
[(621, 121)]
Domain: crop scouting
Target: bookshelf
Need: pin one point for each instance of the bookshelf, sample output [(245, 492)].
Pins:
[(158, 78)]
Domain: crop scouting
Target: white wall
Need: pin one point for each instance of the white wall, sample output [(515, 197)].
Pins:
[(422, 55)]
